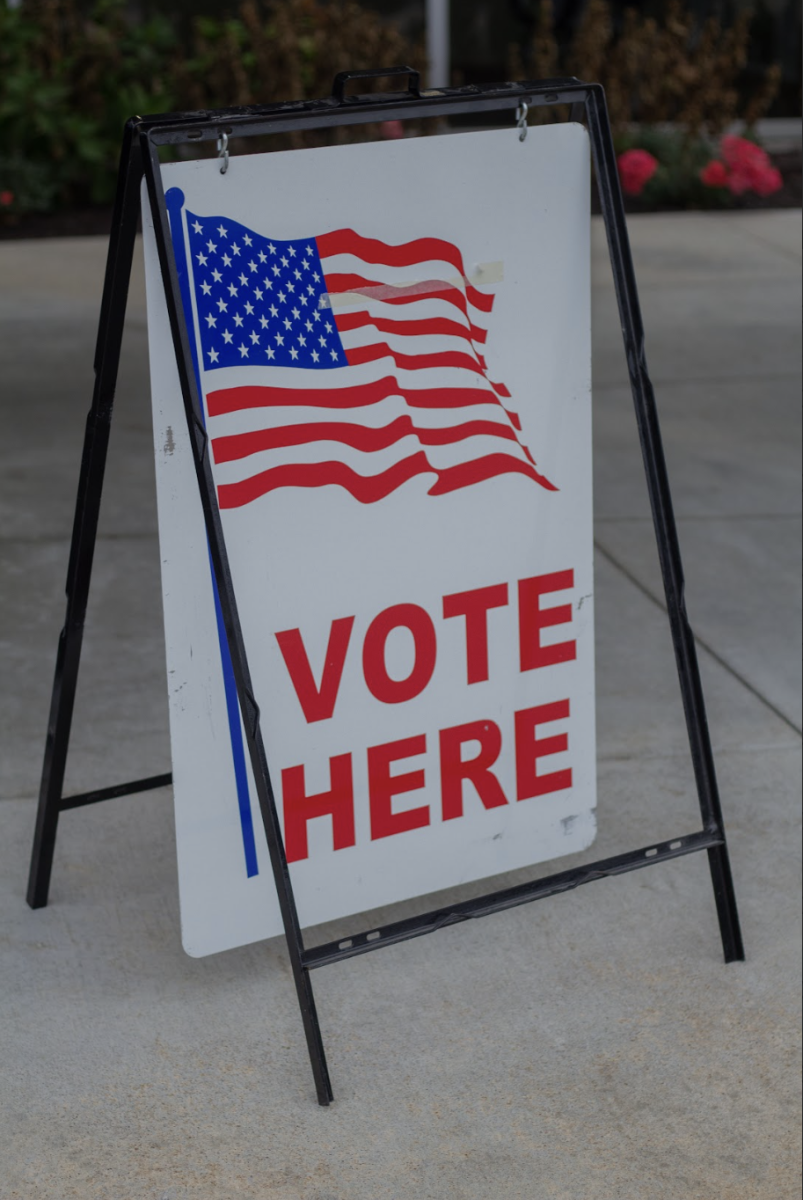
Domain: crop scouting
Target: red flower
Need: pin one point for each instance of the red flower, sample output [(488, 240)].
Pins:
[(636, 168), (6, 199), (715, 174)]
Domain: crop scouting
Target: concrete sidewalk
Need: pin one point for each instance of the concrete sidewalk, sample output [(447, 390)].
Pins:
[(589, 1048)]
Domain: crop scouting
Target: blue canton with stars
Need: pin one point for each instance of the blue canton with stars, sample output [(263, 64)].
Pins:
[(258, 299)]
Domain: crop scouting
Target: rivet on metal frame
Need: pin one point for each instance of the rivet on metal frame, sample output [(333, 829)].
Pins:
[(521, 119), (223, 151)]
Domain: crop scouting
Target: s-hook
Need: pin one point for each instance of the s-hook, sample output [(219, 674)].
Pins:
[(521, 119), (223, 151)]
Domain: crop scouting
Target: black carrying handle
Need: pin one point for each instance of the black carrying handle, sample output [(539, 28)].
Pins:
[(343, 77)]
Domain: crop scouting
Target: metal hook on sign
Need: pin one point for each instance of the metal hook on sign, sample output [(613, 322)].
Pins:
[(521, 119), (223, 151)]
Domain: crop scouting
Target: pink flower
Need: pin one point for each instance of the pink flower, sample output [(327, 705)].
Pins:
[(636, 168), (6, 198), (750, 167), (715, 174), (770, 181), (741, 154)]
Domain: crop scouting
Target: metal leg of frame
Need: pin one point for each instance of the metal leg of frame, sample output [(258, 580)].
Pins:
[(87, 508), (231, 620), (664, 520)]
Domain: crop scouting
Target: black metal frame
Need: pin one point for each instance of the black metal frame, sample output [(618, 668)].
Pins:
[(140, 155)]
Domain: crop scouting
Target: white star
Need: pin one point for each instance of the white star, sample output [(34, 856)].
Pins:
[(270, 352), (243, 279), (252, 266), (334, 354), (273, 310), (292, 251), (290, 287), (258, 293), (316, 316), (271, 247), (279, 340), (232, 290), (293, 352), (316, 276), (302, 341), (276, 270), (304, 299), (197, 227), (328, 327), (213, 355), (226, 260), (206, 288), (235, 248), (315, 356), (263, 256), (308, 250), (246, 239), (211, 321), (211, 247), (249, 308), (321, 340), (255, 338), (263, 322), (223, 306), (310, 290), (287, 324), (282, 297), (297, 273), (238, 320), (284, 262), (223, 232), (296, 313), (305, 265), (243, 350), (308, 325), (216, 276), (202, 259), (227, 336)]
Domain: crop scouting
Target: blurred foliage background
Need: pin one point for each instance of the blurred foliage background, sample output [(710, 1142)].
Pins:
[(72, 71)]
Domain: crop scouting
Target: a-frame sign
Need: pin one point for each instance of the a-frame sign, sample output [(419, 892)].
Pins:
[(319, 344)]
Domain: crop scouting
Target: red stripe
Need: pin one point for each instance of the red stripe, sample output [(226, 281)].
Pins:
[(466, 474), (425, 328), (412, 362), (228, 400), (365, 489), (369, 489), (427, 289), (370, 250), (346, 241), (361, 437)]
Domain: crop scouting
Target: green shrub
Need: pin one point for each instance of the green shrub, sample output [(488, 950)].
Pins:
[(73, 71)]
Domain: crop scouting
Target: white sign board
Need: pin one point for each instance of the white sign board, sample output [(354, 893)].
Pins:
[(392, 342)]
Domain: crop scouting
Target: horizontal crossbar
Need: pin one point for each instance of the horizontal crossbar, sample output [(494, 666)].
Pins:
[(119, 789), (523, 893), (180, 128)]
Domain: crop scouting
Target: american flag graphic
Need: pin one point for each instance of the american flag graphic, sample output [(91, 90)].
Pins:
[(344, 360)]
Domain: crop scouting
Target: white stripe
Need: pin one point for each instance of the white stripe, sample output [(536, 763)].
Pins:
[(372, 462), (374, 416)]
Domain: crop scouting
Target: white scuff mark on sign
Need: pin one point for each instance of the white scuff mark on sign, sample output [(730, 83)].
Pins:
[(484, 273)]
